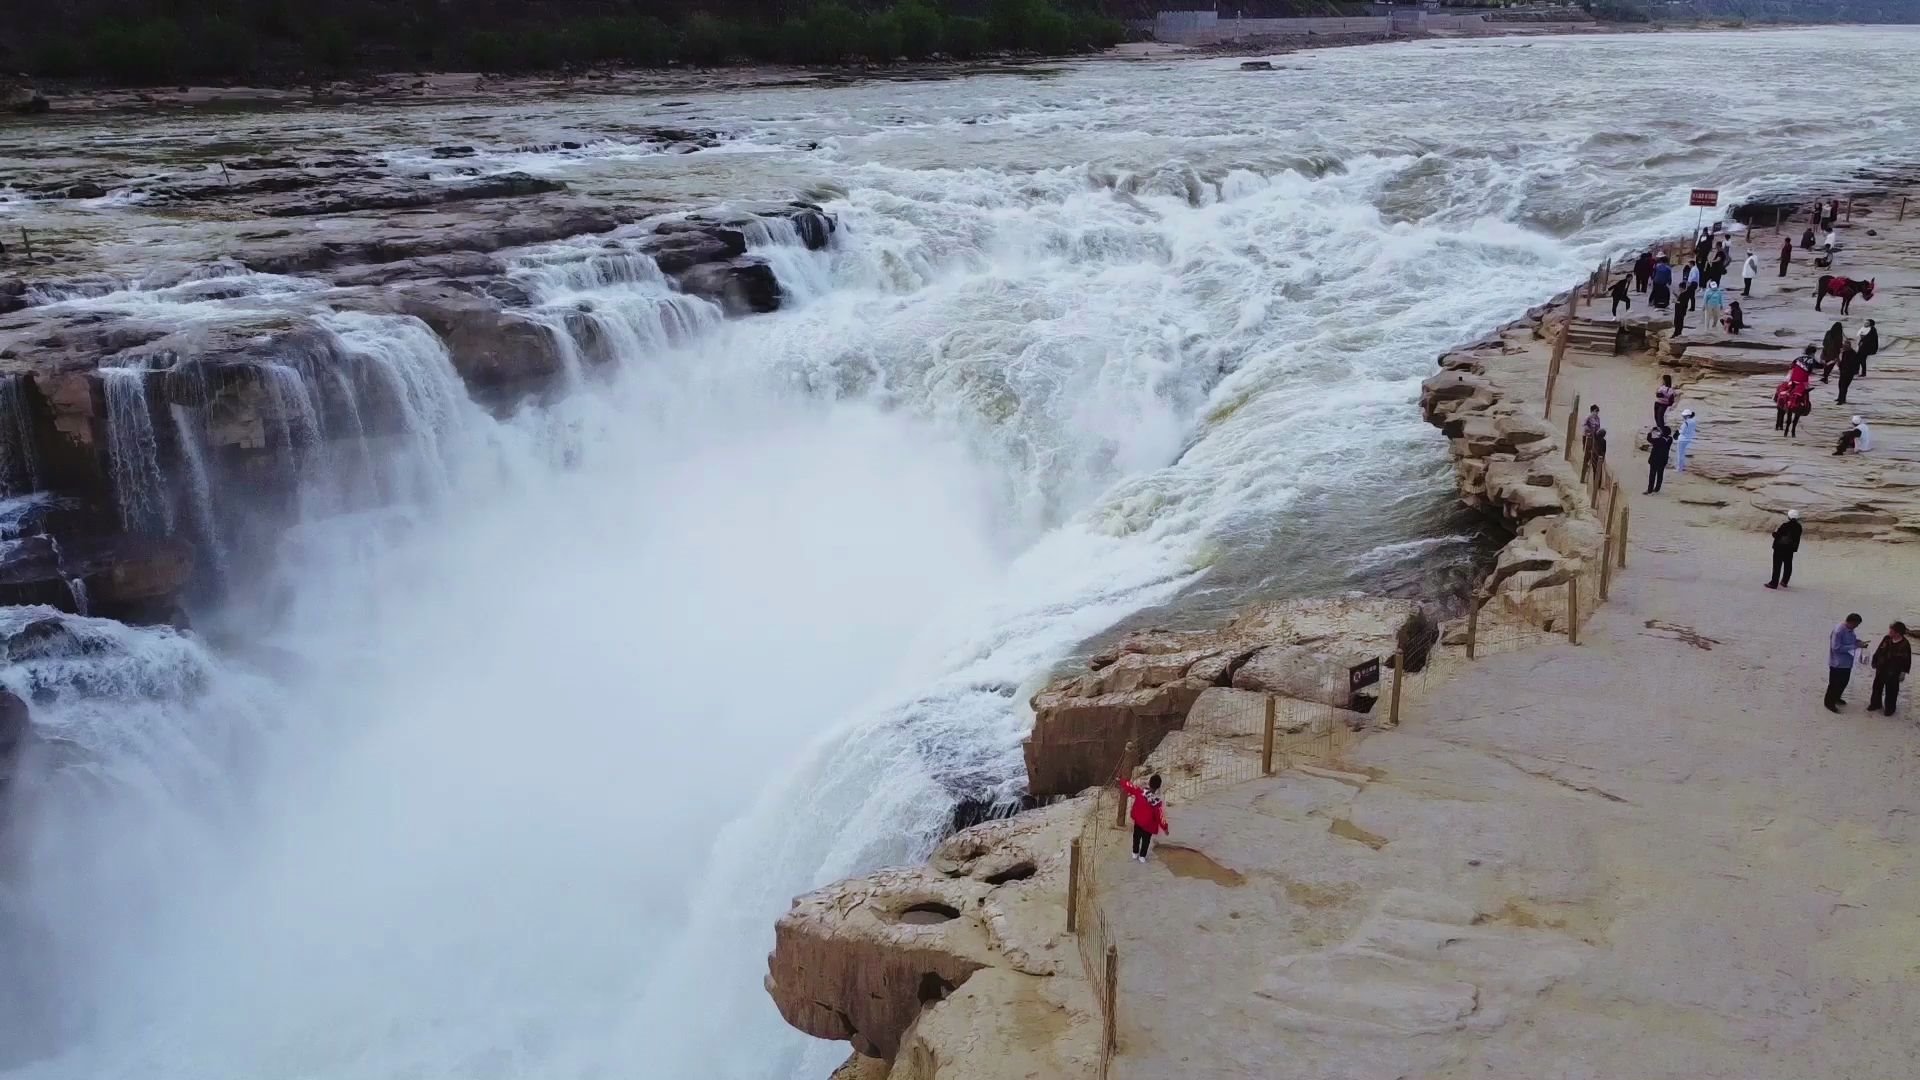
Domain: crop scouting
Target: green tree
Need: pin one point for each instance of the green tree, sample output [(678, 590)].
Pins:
[(708, 41), (137, 52), (222, 48), (829, 34), (922, 30), (885, 39), (967, 37)]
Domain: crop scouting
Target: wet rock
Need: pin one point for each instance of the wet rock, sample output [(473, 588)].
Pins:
[(683, 245), (16, 724), (116, 574), (739, 286), (444, 152), (481, 226), (502, 356), (406, 195), (814, 225), (452, 264)]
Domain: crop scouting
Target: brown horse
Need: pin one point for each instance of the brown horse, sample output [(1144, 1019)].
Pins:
[(1844, 288)]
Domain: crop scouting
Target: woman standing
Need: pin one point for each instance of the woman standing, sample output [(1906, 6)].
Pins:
[(1830, 347), (1786, 254), (1662, 285), (1716, 305), (1663, 400), (1869, 344)]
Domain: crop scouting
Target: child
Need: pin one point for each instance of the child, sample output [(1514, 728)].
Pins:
[(1149, 814)]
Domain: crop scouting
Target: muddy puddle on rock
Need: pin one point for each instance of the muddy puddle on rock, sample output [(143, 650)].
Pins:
[(1192, 863)]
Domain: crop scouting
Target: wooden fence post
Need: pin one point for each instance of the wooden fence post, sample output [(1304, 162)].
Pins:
[(26, 242), (1399, 676), (1903, 209), (1573, 419), (1606, 566), (1559, 350), (1073, 885), (1112, 1018), (1266, 740), (1573, 612), (1473, 625), (1620, 549), (1129, 758), (1849, 209)]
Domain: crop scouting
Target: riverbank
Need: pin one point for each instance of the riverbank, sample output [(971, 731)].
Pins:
[(1651, 853)]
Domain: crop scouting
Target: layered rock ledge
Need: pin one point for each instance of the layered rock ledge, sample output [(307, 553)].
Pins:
[(931, 970), (1511, 464), (102, 379), (1145, 685)]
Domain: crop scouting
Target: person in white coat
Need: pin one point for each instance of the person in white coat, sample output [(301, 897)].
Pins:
[(1688, 428), (1748, 271), (1857, 438)]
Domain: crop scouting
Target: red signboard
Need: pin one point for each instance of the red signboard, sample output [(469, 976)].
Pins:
[(1705, 197)]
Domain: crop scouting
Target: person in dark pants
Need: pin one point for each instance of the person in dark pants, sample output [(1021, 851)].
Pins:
[(1786, 254), (1663, 399), (1869, 345), (1659, 446), (1680, 306), (1149, 814), (1748, 271), (1841, 645), (1642, 271), (1849, 370), (1892, 661), (1621, 296), (1830, 347), (1786, 541)]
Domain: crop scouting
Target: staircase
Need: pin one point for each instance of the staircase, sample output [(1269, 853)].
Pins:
[(1591, 335)]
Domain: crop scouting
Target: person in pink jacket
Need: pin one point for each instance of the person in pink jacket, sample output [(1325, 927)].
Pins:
[(1149, 814)]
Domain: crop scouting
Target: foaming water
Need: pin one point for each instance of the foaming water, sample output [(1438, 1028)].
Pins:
[(538, 721)]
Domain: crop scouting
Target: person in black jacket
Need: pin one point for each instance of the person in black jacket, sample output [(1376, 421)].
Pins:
[(1891, 663), (1868, 345), (1659, 444), (1786, 541), (1849, 370), (1621, 296)]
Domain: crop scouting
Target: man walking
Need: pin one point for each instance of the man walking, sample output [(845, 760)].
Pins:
[(1786, 541), (1841, 645), (1748, 271), (1891, 663)]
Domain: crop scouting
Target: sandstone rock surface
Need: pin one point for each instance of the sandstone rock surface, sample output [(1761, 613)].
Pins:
[(1142, 686), (864, 959)]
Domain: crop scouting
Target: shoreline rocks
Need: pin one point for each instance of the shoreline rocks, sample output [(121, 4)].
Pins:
[(1509, 465), (1144, 686)]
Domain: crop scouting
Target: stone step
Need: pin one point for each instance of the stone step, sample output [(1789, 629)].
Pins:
[(1740, 361)]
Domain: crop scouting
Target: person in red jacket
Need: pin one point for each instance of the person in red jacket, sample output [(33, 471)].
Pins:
[(1149, 814)]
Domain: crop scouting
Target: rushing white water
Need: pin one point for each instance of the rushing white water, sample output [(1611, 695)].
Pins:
[(540, 721)]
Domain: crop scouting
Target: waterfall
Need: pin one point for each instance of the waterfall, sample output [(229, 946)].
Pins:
[(193, 454), (139, 484), (19, 453), (611, 303)]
